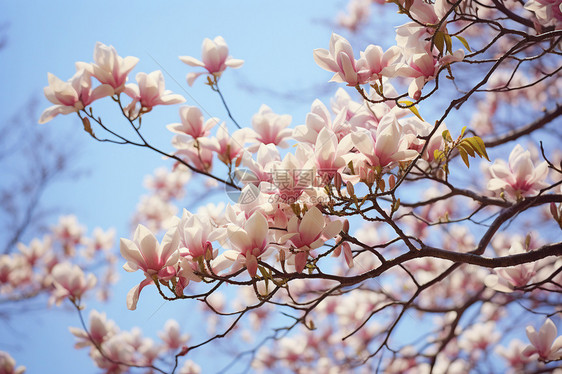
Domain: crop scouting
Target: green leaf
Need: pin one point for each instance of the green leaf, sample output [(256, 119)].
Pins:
[(266, 277), (447, 136), (464, 42), (448, 43), (464, 156), (439, 41), (478, 145), (467, 148), (412, 108), (463, 131)]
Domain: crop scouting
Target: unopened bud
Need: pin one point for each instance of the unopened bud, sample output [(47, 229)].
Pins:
[(350, 189), (338, 181), (208, 251), (391, 181), (184, 350)]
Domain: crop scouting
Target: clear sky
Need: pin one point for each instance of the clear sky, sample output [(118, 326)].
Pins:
[(275, 38)]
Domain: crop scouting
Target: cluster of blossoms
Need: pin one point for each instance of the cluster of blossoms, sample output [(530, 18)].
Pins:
[(116, 351), (51, 265), (112, 71), (292, 210), (416, 56), (156, 209)]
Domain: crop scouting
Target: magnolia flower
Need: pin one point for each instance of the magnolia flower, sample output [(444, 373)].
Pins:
[(149, 92), (196, 233), (423, 67), (358, 14), (168, 185), (172, 336), (100, 330), (377, 62), (35, 251), (8, 364), (513, 354), (328, 153), (514, 276), (249, 242), (197, 152), (339, 59), (69, 281), (271, 128), (192, 123), (100, 240), (519, 177), (386, 146), (544, 343), (215, 59), (548, 12), (115, 350), (228, 147), (190, 367), (157, 261), (309, 233), (110, 68), (72, 96)]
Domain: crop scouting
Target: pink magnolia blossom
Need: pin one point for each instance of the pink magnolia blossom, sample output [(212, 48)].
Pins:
[(196, 233), (72, 96), (228, 147), (385, 146), (544, 343), (69, 232), (35, 251), (172, 336), (249, 242), (423, 67), (379, 63), (69, 281), (271, 128), (100, 240), (168, 185), (548, 12), (100, 330), (190, 367), (155, 212), (8, 364), (506, 279), (157, 261), (513, 354), (197, 152), (116, 351), (192, 123), (318, 119), (309, 233), (519, 177), (291, 176), (215, 59), (358, 12), (149, 92), (110, 68), (339, 60)]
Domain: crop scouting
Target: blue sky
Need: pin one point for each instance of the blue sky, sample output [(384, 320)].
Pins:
[(274, 38)]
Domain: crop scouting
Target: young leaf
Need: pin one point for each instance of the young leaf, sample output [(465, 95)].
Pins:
[(464, 156), (464, 42), (478, 145), (412, 108)]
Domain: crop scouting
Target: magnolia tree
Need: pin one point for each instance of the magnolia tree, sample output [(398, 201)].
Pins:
[(359, 241)]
